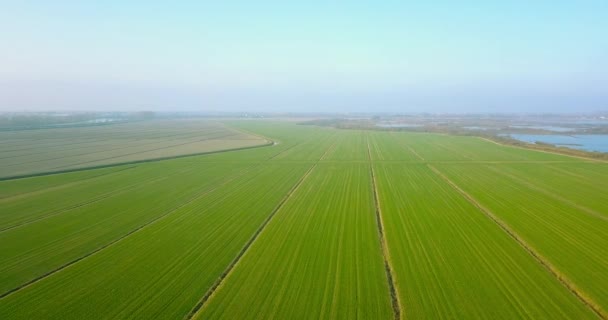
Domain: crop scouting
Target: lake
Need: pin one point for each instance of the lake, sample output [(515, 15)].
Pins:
[(588, 142), (548, 128)]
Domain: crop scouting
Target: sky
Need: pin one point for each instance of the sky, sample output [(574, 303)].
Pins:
[(298, 56)]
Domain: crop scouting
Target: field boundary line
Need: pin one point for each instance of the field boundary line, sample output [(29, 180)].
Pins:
[(557, 169), (542, 190), (61, 186), (415, 153), (108, 150), (78, 126), (392, 287), (218, 283), (543, 151), (285, 150), (101, 197), (247, 132), (410, 149), (46, 173), (567, 283), (66, 209), (138, 152), (460, 154), (166, 138), (331, 148), (117, 240), (506, 161)]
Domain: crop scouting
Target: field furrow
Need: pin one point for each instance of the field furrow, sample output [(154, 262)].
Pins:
[(320, 257), (586, 193), (161, 271), (320, 223), (573, 241), (450, 261), (10, 189), (35, 249)]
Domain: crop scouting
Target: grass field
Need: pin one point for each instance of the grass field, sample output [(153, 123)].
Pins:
[(324, 223)]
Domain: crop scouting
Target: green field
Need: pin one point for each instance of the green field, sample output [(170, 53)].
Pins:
[(320, 223)]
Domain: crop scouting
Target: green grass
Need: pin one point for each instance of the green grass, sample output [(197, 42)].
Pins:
[(586, 191), (16, 188), (318, 258), (572, 240), (36, 248), (389, 146), (161, 271), (56, 199), (350, 146), (436, 147), (151, 240), (450, 261)]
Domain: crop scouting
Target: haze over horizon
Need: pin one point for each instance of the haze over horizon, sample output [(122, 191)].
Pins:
[(272, 56)]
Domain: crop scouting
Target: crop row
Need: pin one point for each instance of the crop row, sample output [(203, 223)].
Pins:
[(318, 258), (587, 192), (434, 147), (154, 240), (34, 249), (571, 240), (451, 261), (21, 187), (163, 270)]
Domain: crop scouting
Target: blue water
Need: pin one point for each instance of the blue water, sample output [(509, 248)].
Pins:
[(548, 128), (589, 142)]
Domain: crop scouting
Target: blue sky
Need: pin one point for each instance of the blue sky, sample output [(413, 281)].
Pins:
[(395, 56)]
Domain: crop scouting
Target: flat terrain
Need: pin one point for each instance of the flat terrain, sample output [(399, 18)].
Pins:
[(27, 152), (324, 223)]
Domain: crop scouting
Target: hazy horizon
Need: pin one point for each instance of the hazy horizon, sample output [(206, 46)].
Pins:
[(439, 56)]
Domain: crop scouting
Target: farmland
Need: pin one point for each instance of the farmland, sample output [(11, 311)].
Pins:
[(27, 152), (320, 223)]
